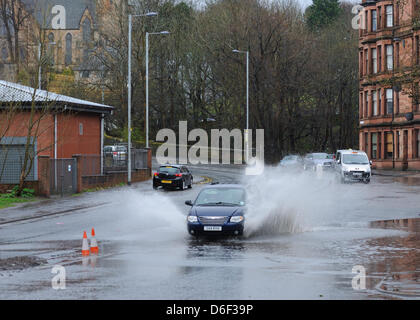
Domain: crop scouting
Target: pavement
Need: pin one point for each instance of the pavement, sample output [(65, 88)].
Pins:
[(396, 173)]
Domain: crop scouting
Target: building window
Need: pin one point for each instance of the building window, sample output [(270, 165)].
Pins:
[(80, 129), (397, 102), (397, 143), (379, 102), (379, 17), (87, 30), (4, 53), (361, 64), (375, 103), (389, 101), (389, 57), (417, 49), (366, 142), (374, 152), (374, 60), (366, 62), (416, 96), (366, 104), (374, 20), (51, 48), (361, 106), (389, 16), (418, 142), (379, 58), (397, 55), (69, 49), (389, 145)]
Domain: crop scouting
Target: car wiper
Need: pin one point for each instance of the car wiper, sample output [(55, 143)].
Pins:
[(220, 203)]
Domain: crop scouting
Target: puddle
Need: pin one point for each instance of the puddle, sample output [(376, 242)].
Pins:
[(410, 181), (398, 270)]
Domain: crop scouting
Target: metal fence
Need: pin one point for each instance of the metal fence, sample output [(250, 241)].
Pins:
[(113, 162)]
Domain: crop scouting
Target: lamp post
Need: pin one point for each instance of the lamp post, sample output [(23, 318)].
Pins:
[(147, 80), (130, 27), (247, 103)]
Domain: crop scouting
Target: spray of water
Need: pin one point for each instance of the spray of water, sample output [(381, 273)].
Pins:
[(143, 215), (285, 201)]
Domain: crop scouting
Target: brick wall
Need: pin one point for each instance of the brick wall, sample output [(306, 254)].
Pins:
[(113, 179)]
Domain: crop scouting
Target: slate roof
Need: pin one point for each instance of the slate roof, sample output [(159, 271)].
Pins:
[(13, 92), (74, 11)]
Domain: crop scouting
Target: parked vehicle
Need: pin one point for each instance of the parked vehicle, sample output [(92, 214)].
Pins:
[(312, 160), (353, 165), (218, 209), (118, 154), (292, 162), (173, 176)]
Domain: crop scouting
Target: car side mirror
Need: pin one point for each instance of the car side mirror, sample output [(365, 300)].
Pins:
[(370, 162), (338, 161), (189, 203)]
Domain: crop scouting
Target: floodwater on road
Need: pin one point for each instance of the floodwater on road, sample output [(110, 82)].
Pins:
[(305, 235)]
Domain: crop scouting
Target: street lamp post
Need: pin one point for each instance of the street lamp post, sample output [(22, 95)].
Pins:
[(147, 80), (130, 27), (247, 103)]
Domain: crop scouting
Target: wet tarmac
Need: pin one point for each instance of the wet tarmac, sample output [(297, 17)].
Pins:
[(145, 252)]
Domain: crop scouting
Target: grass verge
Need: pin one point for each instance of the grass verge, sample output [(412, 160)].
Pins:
[(6, 202)]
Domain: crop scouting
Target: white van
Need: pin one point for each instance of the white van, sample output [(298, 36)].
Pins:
[(353, 165)]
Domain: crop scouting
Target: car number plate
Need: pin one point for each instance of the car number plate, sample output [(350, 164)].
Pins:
[(357, 174), (166, 181), (212, 228)]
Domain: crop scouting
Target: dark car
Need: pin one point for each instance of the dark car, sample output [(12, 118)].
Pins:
[(173, 176), (218, 210)]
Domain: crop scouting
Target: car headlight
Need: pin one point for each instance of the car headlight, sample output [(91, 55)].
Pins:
[(192, 219), (236, 219)]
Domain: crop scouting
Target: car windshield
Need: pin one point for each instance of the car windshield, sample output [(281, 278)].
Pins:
[(320, 156), (169, 170), (221, 196), (355, 159)]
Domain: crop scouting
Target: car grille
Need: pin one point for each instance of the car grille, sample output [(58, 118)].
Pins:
[(213, 220), (357, 174)]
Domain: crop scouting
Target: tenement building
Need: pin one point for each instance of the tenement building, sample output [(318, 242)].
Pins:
[(389, 60)]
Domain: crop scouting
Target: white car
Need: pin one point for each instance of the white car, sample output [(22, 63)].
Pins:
[(353, 165)]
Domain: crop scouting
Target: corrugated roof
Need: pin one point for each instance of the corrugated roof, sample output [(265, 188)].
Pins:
[(13, 92)]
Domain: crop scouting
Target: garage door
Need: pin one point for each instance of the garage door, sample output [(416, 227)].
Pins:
[(11, 161)]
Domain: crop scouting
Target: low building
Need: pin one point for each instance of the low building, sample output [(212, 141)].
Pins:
[(389, 60), (58, 127)]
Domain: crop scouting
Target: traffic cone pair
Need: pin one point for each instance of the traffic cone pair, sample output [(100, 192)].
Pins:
[(93, 244)]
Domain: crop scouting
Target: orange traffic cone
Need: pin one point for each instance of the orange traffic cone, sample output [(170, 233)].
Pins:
[(85, 245), (93, 244)]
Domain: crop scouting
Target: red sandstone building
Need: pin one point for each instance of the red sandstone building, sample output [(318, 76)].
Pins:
[(64, 127), (389, 60)]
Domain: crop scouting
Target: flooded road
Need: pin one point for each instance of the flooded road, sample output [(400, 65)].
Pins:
[(305, 235)]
